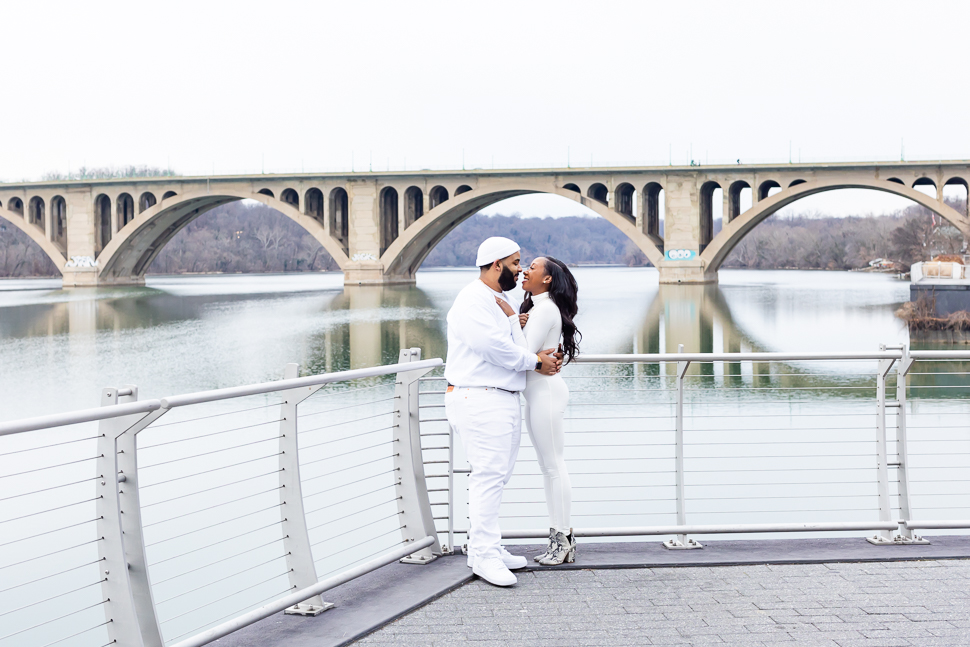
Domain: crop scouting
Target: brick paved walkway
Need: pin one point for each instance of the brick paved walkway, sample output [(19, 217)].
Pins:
[(882, 604)]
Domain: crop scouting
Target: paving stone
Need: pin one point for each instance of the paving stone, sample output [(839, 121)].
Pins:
[(886, 604)]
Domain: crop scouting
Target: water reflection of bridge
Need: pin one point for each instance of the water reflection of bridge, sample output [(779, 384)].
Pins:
[(367, 325)]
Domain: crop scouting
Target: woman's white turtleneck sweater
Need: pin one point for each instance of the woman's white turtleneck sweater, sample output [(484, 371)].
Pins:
[(543, 329)]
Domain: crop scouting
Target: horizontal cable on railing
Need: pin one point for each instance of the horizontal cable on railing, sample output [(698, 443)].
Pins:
[(212, 507), (598, 514), (757, 456), (597, 487), (323, 394), (48, 532), (83, 631), (50, 467), (382, 458), (347, 422), (364, 541), (222, 579), (234, 613), (349, 406), (215, 525), (60, 507), (216, 487), (215, 433), (214, 469), (789, 469), (218, 561), (323, 541), (582, 501), (54, 597), (786, 510), (210, 603), (337, 440), (213, 415), (50, 620), (60, 550), (360, 559), (53, 487), (214, 451), (46, 577), (33, 449), (343, 485), (357, 512), (331, 505), (216, 543), (348, 453)]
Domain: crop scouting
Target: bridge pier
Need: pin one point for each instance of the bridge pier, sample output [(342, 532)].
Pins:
[(686, 272)]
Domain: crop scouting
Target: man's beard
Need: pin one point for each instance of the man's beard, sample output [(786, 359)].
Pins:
[(507, 280)]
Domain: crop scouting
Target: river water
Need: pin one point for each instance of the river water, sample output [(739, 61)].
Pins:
[(183, 334), (773, 442)]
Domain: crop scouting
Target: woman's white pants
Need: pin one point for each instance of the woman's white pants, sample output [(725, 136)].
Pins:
[(489, 423), (545, 403)]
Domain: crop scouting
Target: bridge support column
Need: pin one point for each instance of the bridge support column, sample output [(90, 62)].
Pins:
[(365, 267), (686, 272), (682, 232)]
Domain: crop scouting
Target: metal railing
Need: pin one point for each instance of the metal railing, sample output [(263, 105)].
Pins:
[(178, 520), (723, 443)]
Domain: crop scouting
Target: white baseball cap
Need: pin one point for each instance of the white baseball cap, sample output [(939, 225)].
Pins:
[(495, 248)]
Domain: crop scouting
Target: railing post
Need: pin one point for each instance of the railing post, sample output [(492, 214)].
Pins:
[(451, 488), (681, 542), (905, 535), (301, 570), (412, 488), (882, 459), (129, 607)]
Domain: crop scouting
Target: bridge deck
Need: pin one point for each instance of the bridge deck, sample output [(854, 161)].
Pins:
[(831, 592)]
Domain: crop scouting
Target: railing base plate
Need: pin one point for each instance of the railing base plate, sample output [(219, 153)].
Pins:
[(419, 559), (898, 540), (308, 609), (675, 544)]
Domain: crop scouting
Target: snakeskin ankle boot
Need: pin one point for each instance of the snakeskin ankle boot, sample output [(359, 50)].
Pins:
[(563, 550), (539, 558)]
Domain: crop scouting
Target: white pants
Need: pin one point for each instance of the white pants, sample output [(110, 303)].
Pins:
[(489, 423), (546, 398)]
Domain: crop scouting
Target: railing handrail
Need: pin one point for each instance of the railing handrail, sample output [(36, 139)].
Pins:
[(76, 417), (282, 385), (170, 402), (739, 357)]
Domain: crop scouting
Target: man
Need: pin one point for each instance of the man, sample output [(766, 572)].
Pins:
[(486, 369)]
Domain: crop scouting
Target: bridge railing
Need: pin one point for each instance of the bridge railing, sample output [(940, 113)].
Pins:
[(722, 443), (179, 520)]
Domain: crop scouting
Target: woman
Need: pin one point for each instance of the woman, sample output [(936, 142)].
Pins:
[(547, 313)]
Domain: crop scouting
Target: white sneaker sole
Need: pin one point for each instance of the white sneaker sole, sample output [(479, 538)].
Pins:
[(496, 581), (516, 563)]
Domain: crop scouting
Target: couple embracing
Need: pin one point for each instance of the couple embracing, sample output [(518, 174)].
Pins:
[(495, 353)]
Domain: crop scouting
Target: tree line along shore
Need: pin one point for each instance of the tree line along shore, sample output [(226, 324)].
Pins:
[(247, 237)]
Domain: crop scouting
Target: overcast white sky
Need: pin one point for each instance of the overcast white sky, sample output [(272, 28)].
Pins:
[(233, 87)]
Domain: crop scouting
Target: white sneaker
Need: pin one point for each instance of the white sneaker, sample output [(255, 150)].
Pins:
[(493, 571), (511, 561)]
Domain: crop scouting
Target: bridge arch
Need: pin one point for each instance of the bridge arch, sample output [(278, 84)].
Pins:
[(36, 234), (404, 256), (131, 251), (714, 255)]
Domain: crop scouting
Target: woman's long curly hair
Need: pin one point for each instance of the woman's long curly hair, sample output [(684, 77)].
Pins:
[(564, 291)]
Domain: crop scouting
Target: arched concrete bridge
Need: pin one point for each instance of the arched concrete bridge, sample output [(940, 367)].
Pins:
[(379, 227)]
